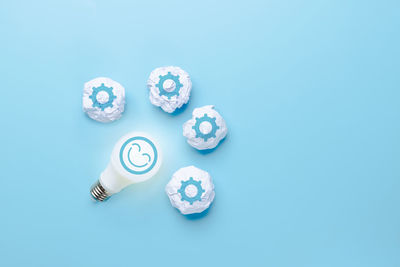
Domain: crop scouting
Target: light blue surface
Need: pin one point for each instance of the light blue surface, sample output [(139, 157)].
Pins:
[(308, 176)]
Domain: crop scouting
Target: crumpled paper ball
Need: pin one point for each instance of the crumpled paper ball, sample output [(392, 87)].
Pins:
[(169, 87), (206, 128), (103, 99), (190, 190)]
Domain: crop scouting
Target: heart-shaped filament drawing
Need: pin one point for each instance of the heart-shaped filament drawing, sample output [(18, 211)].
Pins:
[(143, 154)]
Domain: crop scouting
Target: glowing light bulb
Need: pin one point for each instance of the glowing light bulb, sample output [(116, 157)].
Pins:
[(135, 158)]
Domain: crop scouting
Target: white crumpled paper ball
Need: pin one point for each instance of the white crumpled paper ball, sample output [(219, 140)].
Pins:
[(190, 190), (103, 99), (169, 87), (206, 128)]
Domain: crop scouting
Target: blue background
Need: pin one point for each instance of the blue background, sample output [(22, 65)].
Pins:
[(308, 175)]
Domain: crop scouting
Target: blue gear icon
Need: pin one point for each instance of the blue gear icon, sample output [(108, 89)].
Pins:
[(197, 184), (106, 89), (160, 85), (214, 129)]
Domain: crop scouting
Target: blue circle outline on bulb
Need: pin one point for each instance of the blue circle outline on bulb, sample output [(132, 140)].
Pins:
[(142, 138)]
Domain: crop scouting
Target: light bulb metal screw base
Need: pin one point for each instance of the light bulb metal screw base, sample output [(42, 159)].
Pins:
[(98, 192)]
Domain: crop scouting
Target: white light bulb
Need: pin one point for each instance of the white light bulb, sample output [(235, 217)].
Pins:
[(135, 158)]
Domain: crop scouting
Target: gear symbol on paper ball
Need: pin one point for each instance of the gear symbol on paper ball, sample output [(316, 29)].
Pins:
[(187, 183), (106, 100), (211, 133), (163, 91)]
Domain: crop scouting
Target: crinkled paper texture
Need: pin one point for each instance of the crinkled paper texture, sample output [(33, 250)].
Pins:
[(109, 114), (169, 104), (198, 142), (175, 184)]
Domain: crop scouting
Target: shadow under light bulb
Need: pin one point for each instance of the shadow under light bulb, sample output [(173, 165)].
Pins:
[(135, 158)]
